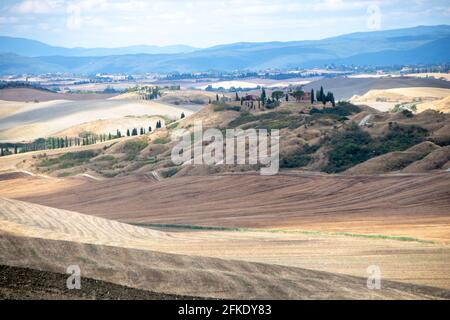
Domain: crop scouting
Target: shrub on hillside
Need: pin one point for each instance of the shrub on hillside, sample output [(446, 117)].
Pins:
[(161, 140), (300, 158), (132, 148), (68, 160), (272, 104), (355, 146), (247, 117), (342, 109), (401, 137), (348, 149), (222, 106), (170, 172)]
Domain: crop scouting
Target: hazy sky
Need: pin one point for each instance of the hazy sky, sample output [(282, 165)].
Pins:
[(113, 23)]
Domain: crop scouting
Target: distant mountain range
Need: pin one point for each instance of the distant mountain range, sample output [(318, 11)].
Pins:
[(423, 44), (33, 48)]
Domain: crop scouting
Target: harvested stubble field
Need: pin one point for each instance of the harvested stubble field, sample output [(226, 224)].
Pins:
[(412, 205), (294, 220), (33, 235)]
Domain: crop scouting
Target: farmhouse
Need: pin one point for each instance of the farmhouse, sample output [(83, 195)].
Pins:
[(306, 96), (250, 97)]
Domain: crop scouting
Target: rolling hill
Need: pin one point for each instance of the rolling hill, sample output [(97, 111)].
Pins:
[(28, 121), (163, 262)]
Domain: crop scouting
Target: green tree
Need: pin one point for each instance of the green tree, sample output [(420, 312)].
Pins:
[(263, 97), (321, 96), (330, 97), (134, 132), (298, 94), (312, 96), (128, 132), (277, 95), (182, 115)]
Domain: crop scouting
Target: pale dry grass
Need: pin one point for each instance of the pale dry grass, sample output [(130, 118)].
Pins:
[(442, 105), (50, 118), (112, 125), (423, 97)]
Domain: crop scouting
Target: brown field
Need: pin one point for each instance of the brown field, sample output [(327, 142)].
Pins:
[(184, 263), (280, 210), (411, 205)]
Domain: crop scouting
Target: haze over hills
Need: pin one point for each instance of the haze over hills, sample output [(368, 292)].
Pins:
[(422, 44), (33, 48)]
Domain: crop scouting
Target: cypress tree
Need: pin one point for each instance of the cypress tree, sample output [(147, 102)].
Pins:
[(128, 132), (312, 96), (330, 97), (263, 96)]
